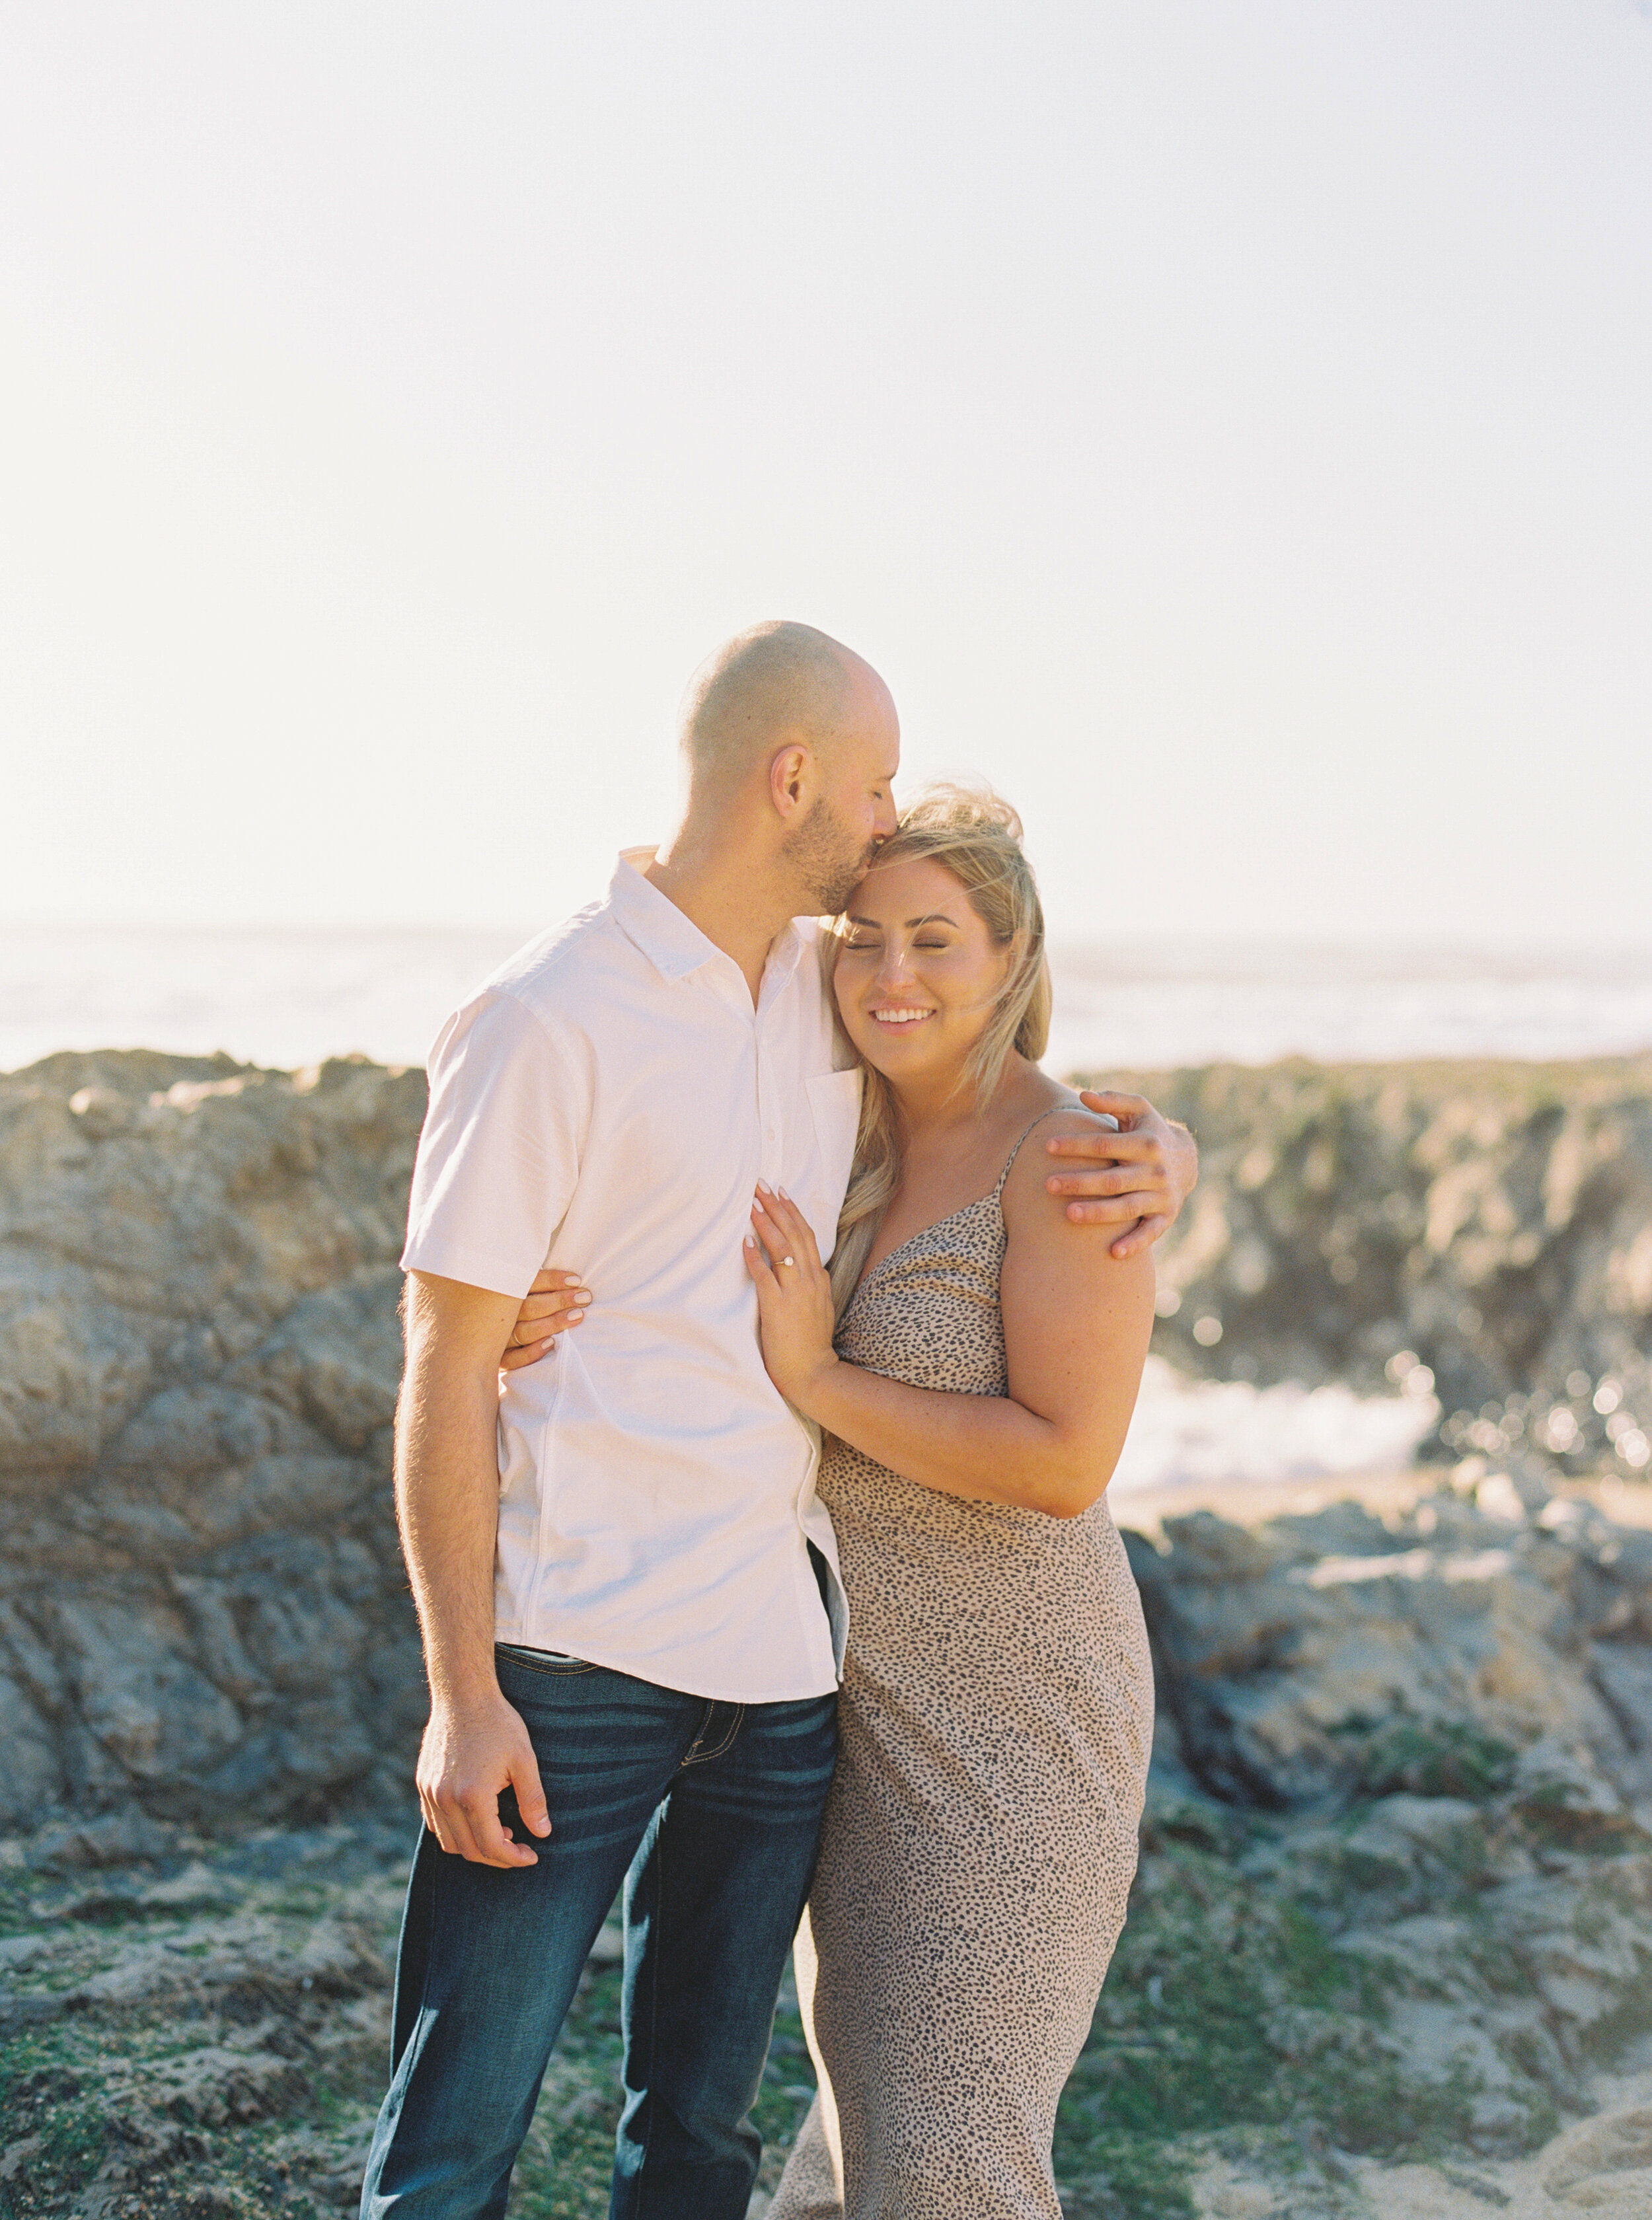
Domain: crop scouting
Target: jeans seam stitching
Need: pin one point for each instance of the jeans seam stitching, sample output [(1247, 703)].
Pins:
[(551, 1671), (657, 1922), (697, 1757), (691, 1755), (424, 1998)]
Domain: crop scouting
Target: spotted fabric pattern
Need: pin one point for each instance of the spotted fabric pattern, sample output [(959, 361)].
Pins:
[(979, 1839)]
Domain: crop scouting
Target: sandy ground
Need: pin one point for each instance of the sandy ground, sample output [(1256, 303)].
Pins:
[(1602, 2165)]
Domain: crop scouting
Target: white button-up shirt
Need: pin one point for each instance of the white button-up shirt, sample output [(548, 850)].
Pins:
[(606, 1105)]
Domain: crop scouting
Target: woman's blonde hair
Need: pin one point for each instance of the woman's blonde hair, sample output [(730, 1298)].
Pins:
[(977, 837)]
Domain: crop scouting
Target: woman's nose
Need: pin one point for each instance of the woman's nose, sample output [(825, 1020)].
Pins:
[(895, 968)]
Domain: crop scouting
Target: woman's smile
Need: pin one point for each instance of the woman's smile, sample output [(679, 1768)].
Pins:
[(916, 964)]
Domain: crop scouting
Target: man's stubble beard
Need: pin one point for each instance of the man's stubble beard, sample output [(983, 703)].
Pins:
[(829, 861)]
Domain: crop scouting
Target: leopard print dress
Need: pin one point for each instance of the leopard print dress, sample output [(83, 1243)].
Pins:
[(979, 1839)]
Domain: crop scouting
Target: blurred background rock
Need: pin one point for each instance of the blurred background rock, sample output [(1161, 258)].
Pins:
[(1480, 1234)]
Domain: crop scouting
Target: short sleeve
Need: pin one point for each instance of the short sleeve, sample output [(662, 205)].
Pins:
[(499, 1155)]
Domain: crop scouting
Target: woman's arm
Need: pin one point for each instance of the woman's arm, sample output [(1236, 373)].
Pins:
[(555, 1303), (1076, 1322)]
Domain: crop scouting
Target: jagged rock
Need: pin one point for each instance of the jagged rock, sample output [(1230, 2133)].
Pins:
[(1314, 1660), (204, 1616), (117, 1839)]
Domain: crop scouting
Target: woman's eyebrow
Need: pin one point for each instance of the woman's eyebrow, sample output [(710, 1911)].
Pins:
[(935, 917)]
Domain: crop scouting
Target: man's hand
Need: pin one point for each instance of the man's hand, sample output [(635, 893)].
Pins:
[(1144, 1174), (469, 1755)]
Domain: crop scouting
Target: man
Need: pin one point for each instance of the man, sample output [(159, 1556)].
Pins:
[(626, 1585)]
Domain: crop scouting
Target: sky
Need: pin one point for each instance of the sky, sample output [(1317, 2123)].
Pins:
[(1226, 426)]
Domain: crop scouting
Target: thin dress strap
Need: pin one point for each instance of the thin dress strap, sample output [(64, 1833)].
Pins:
[(998, 1191)]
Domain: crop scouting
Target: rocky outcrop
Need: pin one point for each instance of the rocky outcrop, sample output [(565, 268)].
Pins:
[(201, 1607), (1396, 1895), (1487, 1227), (1465, 1649), (202, 1611)]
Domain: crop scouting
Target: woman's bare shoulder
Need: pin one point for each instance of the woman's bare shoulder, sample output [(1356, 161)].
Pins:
[(1065, 1116), (1028, 1203), (1067, 1104)]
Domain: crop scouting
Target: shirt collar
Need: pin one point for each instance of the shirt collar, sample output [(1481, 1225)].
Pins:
[(673, 944), (785, 952)]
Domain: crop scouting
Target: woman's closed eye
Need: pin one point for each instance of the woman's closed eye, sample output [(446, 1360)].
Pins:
[(865, 945)]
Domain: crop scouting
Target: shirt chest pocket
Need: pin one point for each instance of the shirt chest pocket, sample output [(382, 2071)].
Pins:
[(834, 1117)]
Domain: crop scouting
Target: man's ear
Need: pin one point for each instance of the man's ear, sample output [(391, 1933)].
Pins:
[(791, 780)]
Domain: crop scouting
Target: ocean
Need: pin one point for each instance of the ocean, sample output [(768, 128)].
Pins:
[(292, 997)]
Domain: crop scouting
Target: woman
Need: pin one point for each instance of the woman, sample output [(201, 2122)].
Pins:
[(973, 1367), (997, 1702)]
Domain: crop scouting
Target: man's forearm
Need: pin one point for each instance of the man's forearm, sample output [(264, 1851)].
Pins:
[(447, 1504), (475, 1745)]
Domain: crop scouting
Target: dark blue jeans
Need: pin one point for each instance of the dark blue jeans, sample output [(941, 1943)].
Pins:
[(710, 1812)]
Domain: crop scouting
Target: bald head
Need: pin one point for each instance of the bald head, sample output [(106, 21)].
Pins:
[(777, 682), (791, 744)]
